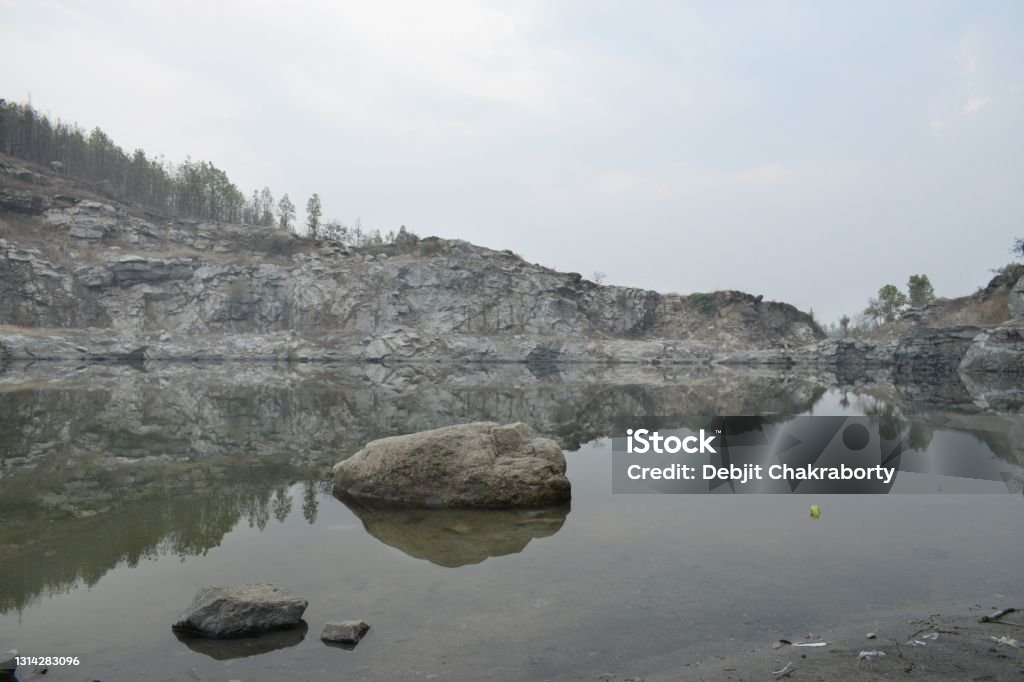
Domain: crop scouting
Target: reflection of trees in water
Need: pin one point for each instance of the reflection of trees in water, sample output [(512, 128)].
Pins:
[(282, 504), (312, 491), (902, 415), (920, 436), (893, 425), (50, 557)]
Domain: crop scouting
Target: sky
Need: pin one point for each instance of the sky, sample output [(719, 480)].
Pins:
[(807, 151)]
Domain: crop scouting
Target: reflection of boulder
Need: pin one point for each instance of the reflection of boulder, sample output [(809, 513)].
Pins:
[(224, 649), (481, 464), (457, 537)]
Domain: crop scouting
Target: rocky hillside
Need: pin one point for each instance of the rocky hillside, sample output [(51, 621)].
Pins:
[(74, 260), (1000, 301)]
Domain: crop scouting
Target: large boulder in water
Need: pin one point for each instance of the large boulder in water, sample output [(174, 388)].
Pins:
[(240, 610), (468, 465)]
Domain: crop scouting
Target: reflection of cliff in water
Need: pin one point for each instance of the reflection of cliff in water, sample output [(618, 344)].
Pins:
[(985, 408), (317, 414), (109, 465), (457, 537)]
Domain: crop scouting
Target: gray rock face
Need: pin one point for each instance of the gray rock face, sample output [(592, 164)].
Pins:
[(239, 610), (37, 292), (21, 201), (481, 464), (345, 632), (999, 350), (1015, 303), (107, 267), (925, 351), (924, 354)]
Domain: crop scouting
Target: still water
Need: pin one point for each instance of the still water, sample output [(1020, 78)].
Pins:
[(123, 491)]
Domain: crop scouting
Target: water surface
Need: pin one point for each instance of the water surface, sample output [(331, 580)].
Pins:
[(123, 491)]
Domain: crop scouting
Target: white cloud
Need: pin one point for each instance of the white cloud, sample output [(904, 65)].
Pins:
[(767, 174), (975, 104)]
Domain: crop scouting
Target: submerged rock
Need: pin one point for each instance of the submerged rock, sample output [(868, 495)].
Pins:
[(345, 632), (481, 464), (238, 610)]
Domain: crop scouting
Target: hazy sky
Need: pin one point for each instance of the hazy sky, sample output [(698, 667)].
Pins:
[(808, 151)]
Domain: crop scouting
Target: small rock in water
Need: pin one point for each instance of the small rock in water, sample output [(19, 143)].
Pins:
[(871, 635), (238, 610), (345, 632)]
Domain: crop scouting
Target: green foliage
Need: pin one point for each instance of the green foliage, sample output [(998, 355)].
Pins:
[(891, 302), (259, 210), (704, 302), (1008, 269), (285, 213), (313, 212), (873, 311), (195, 189), (431, 246), (336, 231), (921, 290)]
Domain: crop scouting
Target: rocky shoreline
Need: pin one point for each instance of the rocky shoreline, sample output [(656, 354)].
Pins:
[(934, 642), (922, 352)]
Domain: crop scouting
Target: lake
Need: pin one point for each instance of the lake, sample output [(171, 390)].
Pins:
[(125, 489)]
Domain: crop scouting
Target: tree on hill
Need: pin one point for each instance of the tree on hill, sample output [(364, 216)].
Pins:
[(873, 312), (194, 189), (285, 213), (891, 302), (313, 211), (266, 208), (921, 290)]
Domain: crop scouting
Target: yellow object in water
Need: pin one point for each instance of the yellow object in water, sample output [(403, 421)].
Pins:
[(815, 511)]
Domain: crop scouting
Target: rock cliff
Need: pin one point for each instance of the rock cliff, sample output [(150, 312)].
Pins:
[(71, 260)]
